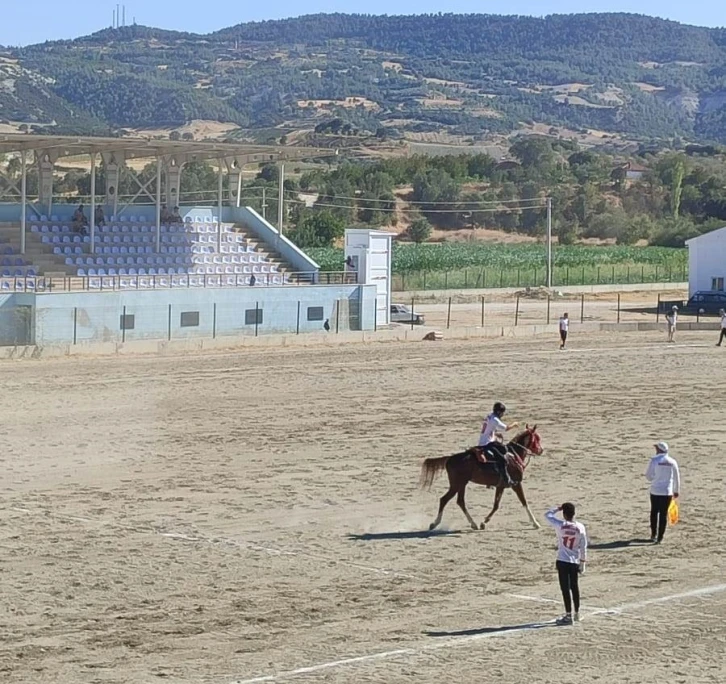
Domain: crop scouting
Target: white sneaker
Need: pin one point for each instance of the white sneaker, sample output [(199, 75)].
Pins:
[(577, 617), (565, 620)]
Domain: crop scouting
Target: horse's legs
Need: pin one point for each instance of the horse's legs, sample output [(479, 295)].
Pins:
[(462, 506), (442, 504), (519, 491), (495, 507)]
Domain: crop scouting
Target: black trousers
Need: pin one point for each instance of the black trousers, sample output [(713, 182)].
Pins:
[(722, 337), (569, 576), (659, 515), (563, 337)]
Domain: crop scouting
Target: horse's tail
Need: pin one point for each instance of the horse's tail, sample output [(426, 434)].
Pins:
[(430, 468)]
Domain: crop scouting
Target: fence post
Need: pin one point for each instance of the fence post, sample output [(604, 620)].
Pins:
[(518, 278), (446, 280), (656, 274), (598, 275), (501, 277), (583, 276), (403, 282), (535, 277), (75, 324), (548, 309), (516, 313), (123, 327), (657, 310), (169, 335), (618, 307), (582, 308), (413, 309), (337, 316), (628, 275), (612, 279), (214, 321), (567, 276), (466, 278), (642, 273), (297, 331), (257, 317), (448, 316)]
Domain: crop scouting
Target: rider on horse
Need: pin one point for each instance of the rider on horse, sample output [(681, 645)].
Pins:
[(491, 441)]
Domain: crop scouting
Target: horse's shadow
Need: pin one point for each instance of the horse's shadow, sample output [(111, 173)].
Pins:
[(619, 544), (491, 630), (420, 534)]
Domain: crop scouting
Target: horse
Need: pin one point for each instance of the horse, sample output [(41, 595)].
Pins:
[(465, 467)]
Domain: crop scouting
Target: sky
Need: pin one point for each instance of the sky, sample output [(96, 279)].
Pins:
[(23, 23)]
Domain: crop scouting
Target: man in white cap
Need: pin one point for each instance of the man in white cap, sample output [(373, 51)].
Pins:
[(672, 320), (665, 485)]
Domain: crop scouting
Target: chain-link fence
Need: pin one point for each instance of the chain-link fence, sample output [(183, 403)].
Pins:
[(485, 278)]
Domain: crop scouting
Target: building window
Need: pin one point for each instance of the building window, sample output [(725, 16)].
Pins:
[(190, 319), (316, 313), (717, 284), (128, 321), (253, 317)]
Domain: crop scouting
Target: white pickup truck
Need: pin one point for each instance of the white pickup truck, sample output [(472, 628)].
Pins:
[(400, 313)]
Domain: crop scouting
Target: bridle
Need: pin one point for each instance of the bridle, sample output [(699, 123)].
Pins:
[(527, 453)]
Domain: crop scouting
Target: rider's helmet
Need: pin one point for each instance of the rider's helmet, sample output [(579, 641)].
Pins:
[(499, 409)]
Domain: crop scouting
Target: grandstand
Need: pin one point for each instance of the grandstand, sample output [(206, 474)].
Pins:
[(235, 262)]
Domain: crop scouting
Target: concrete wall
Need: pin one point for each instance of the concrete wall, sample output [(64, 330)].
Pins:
[(706, 261), (86, 317), (263, 230)]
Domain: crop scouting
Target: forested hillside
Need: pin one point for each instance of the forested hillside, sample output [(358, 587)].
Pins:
[(387, 76)]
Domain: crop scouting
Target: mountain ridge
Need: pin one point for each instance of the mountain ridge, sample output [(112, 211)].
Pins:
[(467, 75)]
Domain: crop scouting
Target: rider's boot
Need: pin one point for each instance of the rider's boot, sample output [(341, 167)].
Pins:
[(508, 482)]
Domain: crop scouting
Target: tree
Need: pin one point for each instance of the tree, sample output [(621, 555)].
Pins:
[(420, 230), (318, 229), (175, 135)]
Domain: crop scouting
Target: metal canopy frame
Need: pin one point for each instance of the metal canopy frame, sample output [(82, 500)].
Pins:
[(234, 155)]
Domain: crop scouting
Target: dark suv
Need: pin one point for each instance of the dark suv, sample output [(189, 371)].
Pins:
[(706, 302)]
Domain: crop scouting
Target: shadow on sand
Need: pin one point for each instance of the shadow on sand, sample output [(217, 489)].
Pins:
[(421, 534), (621, 544), (492, 630)]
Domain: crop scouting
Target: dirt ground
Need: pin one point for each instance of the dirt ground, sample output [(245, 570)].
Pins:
[(255, 516)]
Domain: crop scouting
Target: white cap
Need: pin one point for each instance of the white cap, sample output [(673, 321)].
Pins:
[(662, 446), (675, 308)]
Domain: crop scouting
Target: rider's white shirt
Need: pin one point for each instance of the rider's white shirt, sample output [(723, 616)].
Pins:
[(672, 319), (723, 322), (564, 324), (664, 475), (571, 538), (491, 425)]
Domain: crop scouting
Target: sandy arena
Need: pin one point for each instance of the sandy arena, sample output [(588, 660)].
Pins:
[(255, 516)]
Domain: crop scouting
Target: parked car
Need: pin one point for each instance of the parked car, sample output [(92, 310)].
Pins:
[(706, 302), (400, 313)]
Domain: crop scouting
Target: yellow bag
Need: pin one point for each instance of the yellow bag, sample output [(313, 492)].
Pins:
[(673, 512)]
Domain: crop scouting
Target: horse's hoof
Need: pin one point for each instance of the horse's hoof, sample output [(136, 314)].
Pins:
[(482, 526), (433, 526), (474, 527)]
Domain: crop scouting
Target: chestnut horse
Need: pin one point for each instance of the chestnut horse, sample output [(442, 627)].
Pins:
[(465, 467)]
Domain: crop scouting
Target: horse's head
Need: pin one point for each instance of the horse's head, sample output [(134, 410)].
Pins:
[(530, 440)]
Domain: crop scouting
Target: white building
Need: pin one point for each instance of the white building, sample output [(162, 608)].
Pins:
[(707, 262)]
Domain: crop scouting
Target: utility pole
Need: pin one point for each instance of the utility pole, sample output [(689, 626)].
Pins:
[(549, 242)]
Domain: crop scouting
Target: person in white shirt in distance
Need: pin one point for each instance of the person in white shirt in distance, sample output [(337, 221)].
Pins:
[(564, 329), (722, 336)]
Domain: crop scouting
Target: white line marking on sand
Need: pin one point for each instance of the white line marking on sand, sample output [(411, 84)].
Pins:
[(464, 640), (251, 546)]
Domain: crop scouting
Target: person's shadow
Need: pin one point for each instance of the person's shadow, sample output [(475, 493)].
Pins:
[(491, 630), (619, 544), (419, 534)]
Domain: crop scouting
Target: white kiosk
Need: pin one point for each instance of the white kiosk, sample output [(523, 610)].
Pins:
[(368, 253)]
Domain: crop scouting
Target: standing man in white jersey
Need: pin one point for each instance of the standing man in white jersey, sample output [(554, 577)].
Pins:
[(564, 328), (665, 485), (571, 558), (672, 322), (494, 449), (722, 337)]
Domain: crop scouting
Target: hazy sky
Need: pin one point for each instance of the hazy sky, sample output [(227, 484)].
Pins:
[(24, 22)]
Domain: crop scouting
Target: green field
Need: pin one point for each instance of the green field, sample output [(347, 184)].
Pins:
[(444, 266)]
